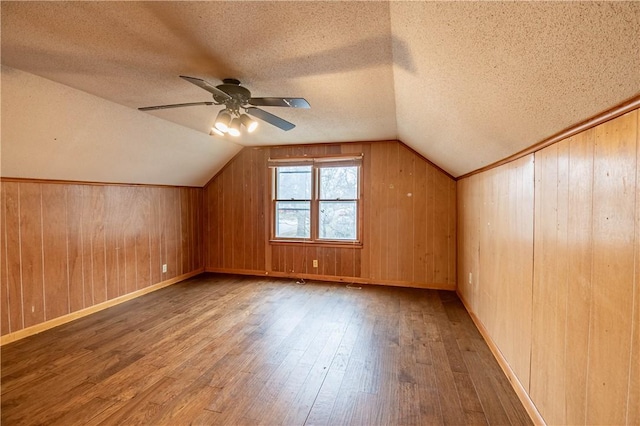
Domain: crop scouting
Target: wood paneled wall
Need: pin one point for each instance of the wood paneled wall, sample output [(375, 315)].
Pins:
[(66, 247), (495, 227), (409, 223), (583, 272)]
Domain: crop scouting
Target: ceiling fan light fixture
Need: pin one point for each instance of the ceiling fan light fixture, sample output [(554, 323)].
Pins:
[(234, 127), (216, 132), (248, 122), (223, 120), (235, 97)]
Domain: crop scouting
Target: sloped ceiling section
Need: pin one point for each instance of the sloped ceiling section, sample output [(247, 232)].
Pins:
[(463, 83), (52, 131), (493, 78)]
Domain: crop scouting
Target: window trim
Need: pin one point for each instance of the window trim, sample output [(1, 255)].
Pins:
[(317, 162)]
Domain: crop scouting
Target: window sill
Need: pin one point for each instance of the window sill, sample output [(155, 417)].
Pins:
[(309, 243)]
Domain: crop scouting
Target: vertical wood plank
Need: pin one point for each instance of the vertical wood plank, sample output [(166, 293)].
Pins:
[(365, 192), (633, 393), (177, 224), (143, 254), (95, 219), (113, 213), (87, 253), (452, 272), (430, 225), (212, 235), (31, 253), (420, 241), (548, 312), (194, 201), (118, 230), (75, 247), (155, 244), (249, 212), (579, 242), (257, 211), (54, 239), (206, 209), (329, 264), (613, 261), (522, 283), (405, 219), (131, 225), (240, 240), (375, 225), (440, 229), (11, 219), (5, 306), (391, 224), (172, 215), (227, 217), (199, 209), (185, 218)]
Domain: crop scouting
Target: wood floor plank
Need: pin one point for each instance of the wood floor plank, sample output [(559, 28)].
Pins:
[(225, 349)]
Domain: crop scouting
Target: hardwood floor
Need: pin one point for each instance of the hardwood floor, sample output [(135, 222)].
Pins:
[(221, 349)]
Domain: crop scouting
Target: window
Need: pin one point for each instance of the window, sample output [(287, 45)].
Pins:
[(293, 202), (316, 200)]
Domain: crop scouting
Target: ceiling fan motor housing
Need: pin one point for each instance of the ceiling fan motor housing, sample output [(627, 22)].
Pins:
[(239, 95)]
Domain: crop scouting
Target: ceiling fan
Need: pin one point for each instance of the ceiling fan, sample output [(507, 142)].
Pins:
[(236, 99)]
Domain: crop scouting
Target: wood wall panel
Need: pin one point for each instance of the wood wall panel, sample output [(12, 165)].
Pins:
[(75, 257), (111, 232), (550, 281), (409, 220), (98, 214), (11, 219), (495, 226), (614, 193), (142, 240), (31, 254), (633, 396), (155, 236), (66, 247), (54, 250), (584, 301), (579, 261), (4, 278)]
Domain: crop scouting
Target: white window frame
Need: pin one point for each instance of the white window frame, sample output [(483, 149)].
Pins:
[(316, 164)]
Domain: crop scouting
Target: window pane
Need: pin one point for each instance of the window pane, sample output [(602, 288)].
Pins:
[(338, 183), (293, 219), (294, 183), (338, 220)]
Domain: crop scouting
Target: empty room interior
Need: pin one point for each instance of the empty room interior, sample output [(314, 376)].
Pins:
[(306, 213)]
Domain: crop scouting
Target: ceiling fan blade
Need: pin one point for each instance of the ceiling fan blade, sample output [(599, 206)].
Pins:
[(270, 118), (208, 87), (151, 108), (280, 102)]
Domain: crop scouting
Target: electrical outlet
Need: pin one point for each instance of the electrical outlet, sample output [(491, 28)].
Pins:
[(164, 268), (470, 277), (315, 263)]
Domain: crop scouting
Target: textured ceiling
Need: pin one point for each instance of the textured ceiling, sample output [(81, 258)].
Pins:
[(463, 83)]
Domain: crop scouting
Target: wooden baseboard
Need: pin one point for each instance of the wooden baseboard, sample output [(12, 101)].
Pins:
[(331, 278), (38, 328), (528, 404)]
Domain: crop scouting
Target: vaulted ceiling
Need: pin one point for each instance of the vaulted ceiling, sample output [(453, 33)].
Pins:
[(463, 83)]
